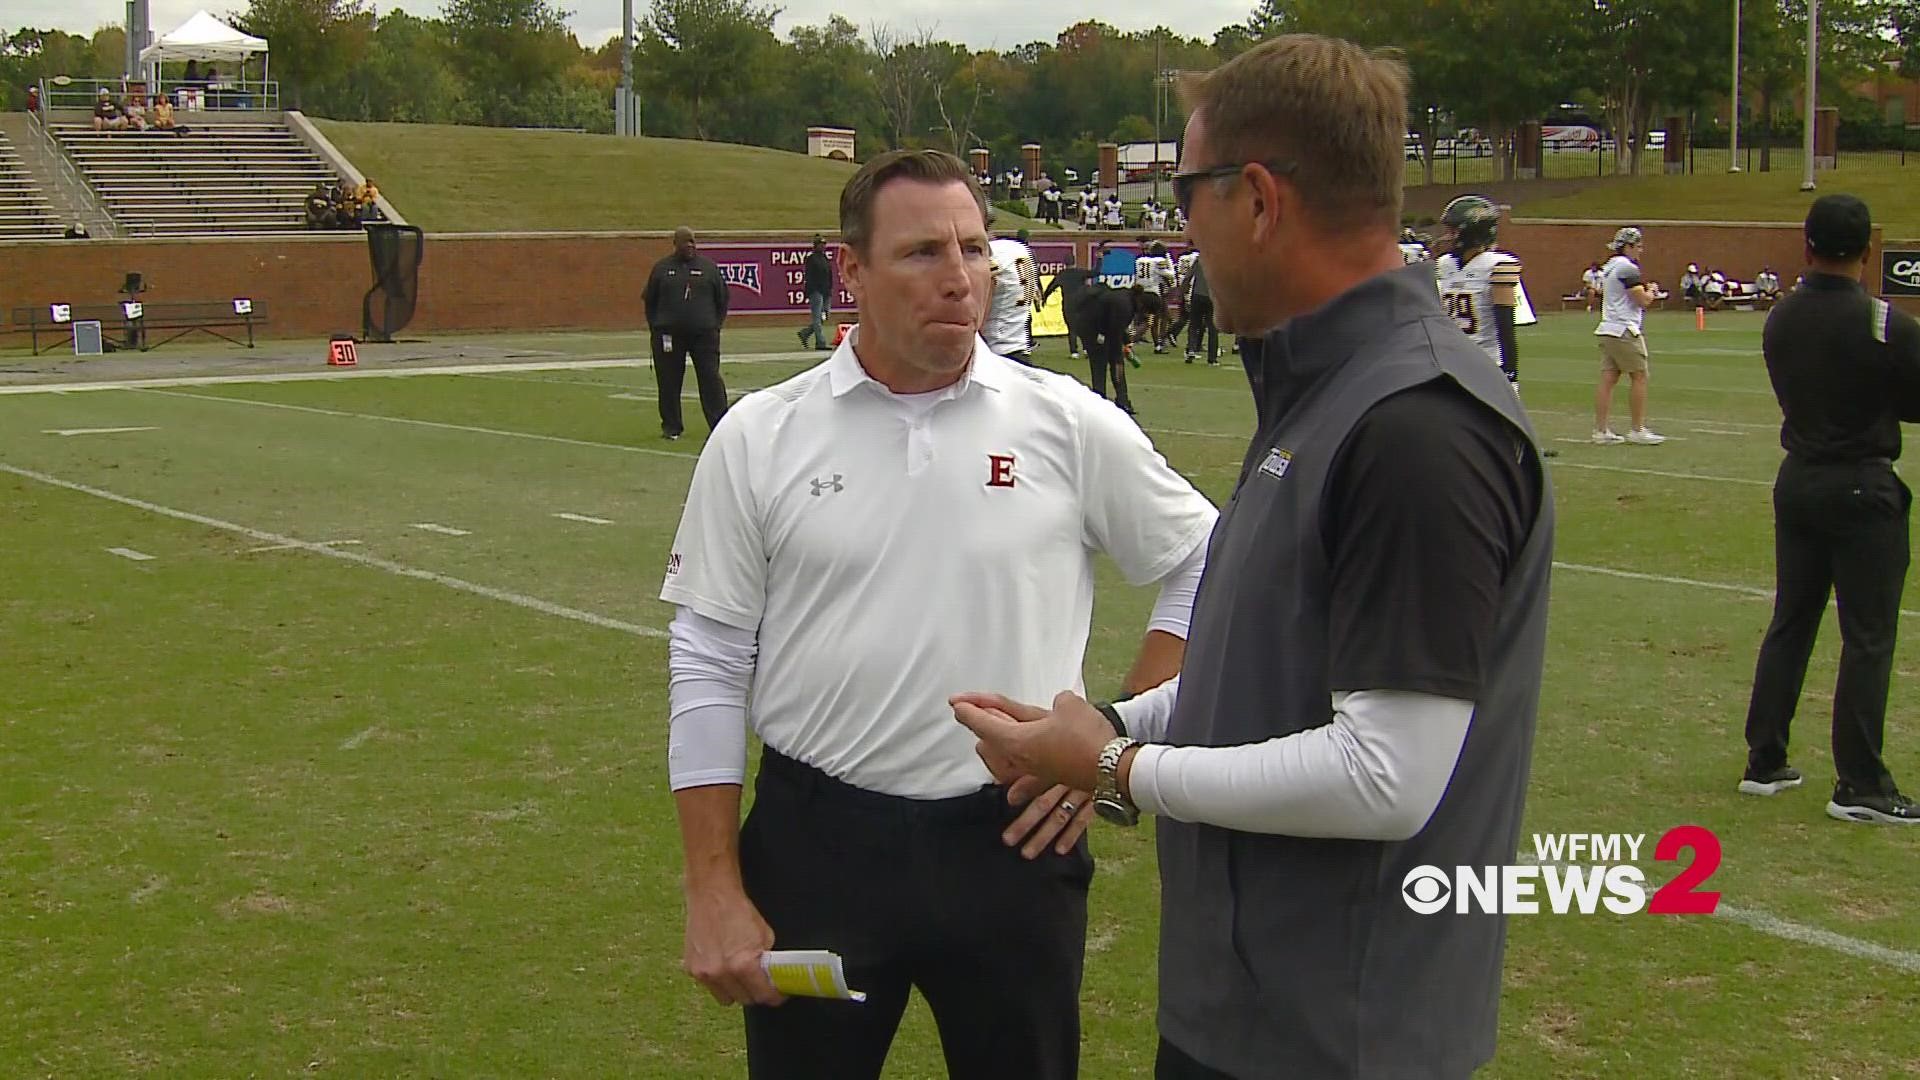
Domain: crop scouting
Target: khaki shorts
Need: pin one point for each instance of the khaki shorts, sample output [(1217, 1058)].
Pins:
[(1627, 355)]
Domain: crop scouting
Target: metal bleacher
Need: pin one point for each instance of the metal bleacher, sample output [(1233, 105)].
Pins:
[(229, 178), (25, 213)]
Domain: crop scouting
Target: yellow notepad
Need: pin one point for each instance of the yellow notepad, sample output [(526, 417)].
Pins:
[(809, 973)]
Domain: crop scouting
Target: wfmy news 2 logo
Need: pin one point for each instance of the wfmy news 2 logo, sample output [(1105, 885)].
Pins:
[(1575, 874)]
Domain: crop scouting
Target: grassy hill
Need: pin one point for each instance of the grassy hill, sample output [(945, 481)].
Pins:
[(475, 179), (1713, 194)]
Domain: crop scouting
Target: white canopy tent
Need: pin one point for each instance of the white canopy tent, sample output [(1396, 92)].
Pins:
[(204, 38)]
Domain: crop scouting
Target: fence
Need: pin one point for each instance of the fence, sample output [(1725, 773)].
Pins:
[(196, 97)]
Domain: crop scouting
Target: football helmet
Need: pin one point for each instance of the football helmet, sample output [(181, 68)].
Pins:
[(1471, 221)]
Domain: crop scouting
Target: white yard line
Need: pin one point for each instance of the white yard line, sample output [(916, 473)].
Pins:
[(471, 429), (94, 430), (355, 741), (443, 530), (1786, 929), (292, 547), (583, 518), (1692, 583), (520, 600), (129, 553), (347, 374), (1562, 463)]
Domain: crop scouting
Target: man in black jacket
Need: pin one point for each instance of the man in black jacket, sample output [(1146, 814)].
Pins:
[(686, 300), (1846, 368), (817, 274)]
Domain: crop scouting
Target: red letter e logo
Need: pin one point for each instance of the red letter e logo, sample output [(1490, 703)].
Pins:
[(1000, 470)]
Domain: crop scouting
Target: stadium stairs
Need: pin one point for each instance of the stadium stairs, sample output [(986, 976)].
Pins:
[(26, 211), (229, 177)]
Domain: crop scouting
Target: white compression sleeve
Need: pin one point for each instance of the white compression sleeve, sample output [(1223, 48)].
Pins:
[(1173, 609), (1375, 773), (1148, 713), (710, 670)]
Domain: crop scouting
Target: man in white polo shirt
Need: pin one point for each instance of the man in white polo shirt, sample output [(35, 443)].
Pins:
[(912, 518)]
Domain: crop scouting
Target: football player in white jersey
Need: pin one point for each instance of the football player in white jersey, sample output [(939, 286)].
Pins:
[(1153, 274), (1479, 284), (1008, 327), (1411, 249)]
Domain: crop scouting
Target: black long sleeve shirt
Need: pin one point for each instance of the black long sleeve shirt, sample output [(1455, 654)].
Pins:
[(1845, 367), (686, 295)]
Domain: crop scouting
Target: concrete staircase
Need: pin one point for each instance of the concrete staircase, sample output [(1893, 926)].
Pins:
[(40, 192)]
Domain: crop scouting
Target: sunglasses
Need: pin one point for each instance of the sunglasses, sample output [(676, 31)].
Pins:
[(1185, 182)]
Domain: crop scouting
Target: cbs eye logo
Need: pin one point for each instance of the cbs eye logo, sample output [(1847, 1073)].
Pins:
[(1426, 890)]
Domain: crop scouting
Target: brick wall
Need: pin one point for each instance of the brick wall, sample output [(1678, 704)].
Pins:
[(312, 285)]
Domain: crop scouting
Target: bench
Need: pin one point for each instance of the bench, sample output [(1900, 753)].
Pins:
[(177, 318)]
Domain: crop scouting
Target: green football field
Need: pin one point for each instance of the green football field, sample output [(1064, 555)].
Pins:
[(333, 724)]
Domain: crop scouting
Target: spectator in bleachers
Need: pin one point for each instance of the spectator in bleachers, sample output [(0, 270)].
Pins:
[(193, 88), (106, 113), (319, 208), (369, 201), (33, 99), (212, 79), (162, 113), (135, 110), (76, 231), (345, 199)]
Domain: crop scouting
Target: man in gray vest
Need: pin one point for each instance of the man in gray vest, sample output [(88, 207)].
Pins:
[(1360, 688)]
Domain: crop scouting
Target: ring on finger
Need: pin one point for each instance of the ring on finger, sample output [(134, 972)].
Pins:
[(1067, 807)]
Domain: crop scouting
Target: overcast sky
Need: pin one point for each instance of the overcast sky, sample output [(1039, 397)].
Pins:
[(977, 23)]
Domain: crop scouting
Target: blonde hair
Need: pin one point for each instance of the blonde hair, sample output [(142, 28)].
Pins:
[(1335, 111)]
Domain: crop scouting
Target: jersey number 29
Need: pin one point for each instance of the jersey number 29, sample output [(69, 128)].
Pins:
[(1460, 307)]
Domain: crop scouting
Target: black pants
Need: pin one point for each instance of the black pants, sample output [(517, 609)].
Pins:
[(1838, 528), (913, 893), (1173, 1063), (1106, 355), (1199, 316), (670, 351)]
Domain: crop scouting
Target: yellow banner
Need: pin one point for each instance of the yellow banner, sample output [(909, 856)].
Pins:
[(1051, 320)]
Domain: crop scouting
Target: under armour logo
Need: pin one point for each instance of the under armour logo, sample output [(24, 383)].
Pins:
[(822, 486)]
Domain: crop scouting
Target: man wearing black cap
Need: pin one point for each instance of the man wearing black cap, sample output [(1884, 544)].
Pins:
[(686, 301), (1846, 368)]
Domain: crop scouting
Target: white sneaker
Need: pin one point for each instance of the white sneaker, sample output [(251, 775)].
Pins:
[(1645, 437), (1606, 438)]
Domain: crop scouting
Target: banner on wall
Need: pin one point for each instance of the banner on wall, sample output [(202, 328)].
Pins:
[(772, 277)]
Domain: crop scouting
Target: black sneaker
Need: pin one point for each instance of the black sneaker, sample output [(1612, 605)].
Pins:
[(802, 335), (1891, 808), (671, 436), (1769, 781)]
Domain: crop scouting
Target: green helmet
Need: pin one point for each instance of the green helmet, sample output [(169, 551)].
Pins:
[(1473, 219)]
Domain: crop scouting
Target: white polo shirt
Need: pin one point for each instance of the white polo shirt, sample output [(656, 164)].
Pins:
[(892, 551)]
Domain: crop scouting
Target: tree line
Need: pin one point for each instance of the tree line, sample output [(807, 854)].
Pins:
[(716, 69)]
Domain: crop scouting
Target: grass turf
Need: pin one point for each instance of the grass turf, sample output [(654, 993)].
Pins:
[(272, 813), (472, 179), (447, 178)]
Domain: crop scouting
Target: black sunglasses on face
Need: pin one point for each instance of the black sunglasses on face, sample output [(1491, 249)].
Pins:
[(1185, 182)]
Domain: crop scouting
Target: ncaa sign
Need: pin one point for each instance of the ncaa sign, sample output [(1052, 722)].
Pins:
[(1900, 272)]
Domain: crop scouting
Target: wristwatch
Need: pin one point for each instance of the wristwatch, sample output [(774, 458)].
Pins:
[(1108, 800)]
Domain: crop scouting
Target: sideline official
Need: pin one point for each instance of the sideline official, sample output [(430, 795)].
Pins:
[(686, 300), (1846, 369)]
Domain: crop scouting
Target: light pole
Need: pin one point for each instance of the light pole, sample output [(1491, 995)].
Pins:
[(1813, 71), (1159, 106), (1733, 137)]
